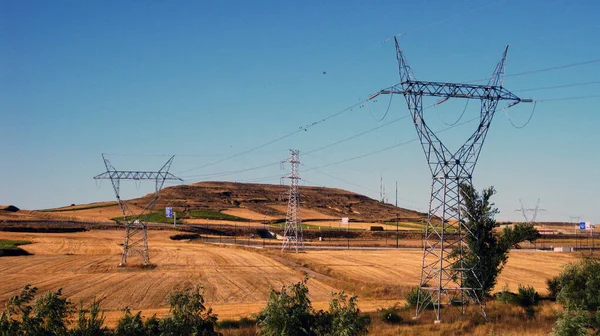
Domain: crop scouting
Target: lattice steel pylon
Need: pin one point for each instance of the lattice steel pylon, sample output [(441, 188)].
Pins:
[(292, 235), (535, 211), (442, 272), (136, 236)]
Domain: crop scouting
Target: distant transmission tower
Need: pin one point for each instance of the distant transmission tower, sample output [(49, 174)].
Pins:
[(292, 235), (534, 210), (136, 237), (444, 268)]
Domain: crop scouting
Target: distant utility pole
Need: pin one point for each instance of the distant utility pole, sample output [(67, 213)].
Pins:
[(534, 210), (136, 236), (444, 268), (396, 214), (292, 235), (382, 195)]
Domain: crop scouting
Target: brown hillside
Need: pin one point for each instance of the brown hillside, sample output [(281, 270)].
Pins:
[(260, 200)]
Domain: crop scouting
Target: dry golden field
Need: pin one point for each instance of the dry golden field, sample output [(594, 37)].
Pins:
[(236, 280)]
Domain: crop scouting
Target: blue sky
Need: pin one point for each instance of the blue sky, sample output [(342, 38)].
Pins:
[(209, 81)]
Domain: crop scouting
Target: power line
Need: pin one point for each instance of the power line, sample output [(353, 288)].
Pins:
[(567, 98), (558, 86), (300, 129)]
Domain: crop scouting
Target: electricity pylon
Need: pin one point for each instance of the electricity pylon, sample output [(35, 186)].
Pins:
[(444, 268), (534, 210), (292, 235), (136, 236)]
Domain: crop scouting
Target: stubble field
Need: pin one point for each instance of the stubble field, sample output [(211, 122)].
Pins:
[(236, 281)]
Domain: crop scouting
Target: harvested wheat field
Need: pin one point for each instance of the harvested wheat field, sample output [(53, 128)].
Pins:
[(401, 268), (236, 281), (85, 265)]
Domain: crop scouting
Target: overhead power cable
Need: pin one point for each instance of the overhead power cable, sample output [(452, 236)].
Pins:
[(300, 129), (558, 86)]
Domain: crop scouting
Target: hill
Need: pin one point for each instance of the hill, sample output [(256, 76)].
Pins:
[(257, 201), (236, 201)]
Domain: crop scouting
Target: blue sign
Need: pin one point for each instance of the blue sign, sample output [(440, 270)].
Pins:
[(169, 212), (581, 225)]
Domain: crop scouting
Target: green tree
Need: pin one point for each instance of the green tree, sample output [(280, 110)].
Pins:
[(92, 324), (188, 315), (579, 292), (131, 325), (487, 253), (47, 316), (345, 316), (288, 312)]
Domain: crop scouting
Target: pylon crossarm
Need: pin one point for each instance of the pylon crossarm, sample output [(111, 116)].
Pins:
[(451, 90), (136, 175)]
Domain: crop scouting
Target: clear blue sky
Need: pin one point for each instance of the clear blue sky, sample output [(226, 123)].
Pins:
[(206, 80)]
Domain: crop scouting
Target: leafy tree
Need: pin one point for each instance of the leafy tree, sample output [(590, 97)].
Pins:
[(571, 323), (487, 252), (188, 315), (345, 318), (47, 316), (131, 325), (288, 312), (579, 285), (92, 324)]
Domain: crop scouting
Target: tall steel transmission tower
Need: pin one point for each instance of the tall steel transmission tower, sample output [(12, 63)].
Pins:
[(444, 268), (534, 211), (136, 236), (292, 235)]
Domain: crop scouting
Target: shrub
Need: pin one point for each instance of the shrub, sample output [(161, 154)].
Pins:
[(131, 325), (553, 285), (188, 315), (506, 296), (92, 324), (288, 312), (413, 296), (579, 285), (527, 298), (390, 315), (47, 316), (345, 316), (571, 323)]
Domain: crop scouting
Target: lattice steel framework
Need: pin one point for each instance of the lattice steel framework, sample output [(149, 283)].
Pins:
[(292, 235), (534, 210), (442, 271), (136, 237)]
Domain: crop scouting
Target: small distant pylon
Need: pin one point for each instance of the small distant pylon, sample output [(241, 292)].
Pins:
[(292, 235), (534, 211)]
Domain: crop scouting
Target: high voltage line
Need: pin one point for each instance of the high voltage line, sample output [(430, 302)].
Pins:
[(360, 104)]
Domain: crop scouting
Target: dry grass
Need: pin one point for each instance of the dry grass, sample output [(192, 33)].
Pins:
[(237, 280)]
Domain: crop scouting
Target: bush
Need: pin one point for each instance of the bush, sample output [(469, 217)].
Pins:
[(345, 316), (579, 292), (571, 323), (527, 298), (288, 312), (188, 315), (413, 295), (47, 316), (92, 325), (390, 315), (553, 285), (244, 322), (506, 296)]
